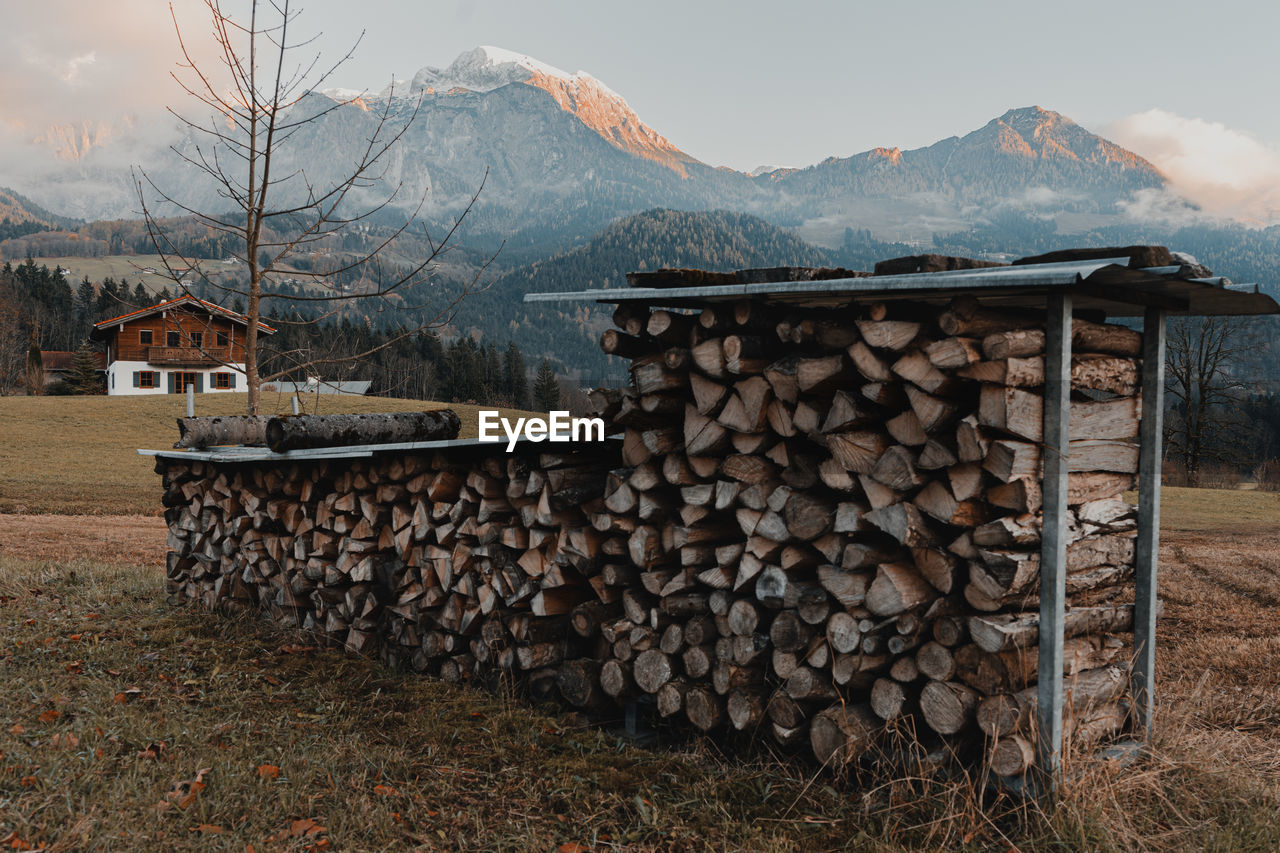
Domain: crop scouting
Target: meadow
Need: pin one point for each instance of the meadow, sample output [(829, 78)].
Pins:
[(127, 724), (78, 455)]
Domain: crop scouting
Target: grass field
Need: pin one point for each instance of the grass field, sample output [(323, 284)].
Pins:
[(1217, 509), (125, 724), (129, 725), (120, 267), (78, 455)]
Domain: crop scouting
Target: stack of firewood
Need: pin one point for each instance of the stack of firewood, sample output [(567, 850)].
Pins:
[(816, 525), (834, 518), (464, 564)]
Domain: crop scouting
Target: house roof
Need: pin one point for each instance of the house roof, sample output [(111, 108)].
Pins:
[(185, 299), (1121, 282), (54, 359)]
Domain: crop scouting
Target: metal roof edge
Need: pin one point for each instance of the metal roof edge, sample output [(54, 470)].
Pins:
[(240, 453), (1059, 274)]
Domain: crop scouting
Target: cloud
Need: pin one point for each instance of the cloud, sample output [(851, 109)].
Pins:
[(1226, 172), (88, 83)]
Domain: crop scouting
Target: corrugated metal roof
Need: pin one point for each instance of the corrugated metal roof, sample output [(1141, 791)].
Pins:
[(1106, 284)]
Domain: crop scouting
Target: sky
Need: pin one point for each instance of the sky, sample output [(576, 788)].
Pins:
[(1191, 86)]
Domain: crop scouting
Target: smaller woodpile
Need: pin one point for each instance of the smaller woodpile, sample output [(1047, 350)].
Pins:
[(464, 562)]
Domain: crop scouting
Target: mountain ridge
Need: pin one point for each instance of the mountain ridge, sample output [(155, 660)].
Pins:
[(562, 155)]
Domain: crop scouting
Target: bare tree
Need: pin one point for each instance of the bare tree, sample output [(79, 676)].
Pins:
[(255, 99), (1204, 422)]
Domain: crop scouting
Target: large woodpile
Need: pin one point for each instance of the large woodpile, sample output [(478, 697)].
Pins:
[(817, 524), (835, 517)]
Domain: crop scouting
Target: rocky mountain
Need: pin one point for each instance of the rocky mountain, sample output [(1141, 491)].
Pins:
[(561, 155)]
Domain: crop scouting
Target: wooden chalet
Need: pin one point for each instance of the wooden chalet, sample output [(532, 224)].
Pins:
[(167, 347)]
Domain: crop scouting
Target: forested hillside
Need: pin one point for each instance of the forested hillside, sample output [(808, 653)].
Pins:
[(569, 332)]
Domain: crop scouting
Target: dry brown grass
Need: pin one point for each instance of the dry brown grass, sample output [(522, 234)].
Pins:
[(78, 455), (146, 696), (1217, 509), (383, 760)]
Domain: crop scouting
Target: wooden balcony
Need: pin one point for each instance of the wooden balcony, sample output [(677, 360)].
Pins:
[(188, 355)]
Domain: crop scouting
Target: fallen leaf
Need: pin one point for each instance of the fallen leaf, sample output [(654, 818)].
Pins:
[(27, 781), (155, 751), (308, 826), (184, 791), (571, 847), (13, 842), (295, 649), (268, 771), (127, 695), (384, 790), (300, 828), (68, 740), (50, 715), (272, 680), (18, 729), (208, 829)]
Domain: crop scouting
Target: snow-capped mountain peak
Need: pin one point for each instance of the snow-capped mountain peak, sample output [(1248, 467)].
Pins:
[(487, 68)]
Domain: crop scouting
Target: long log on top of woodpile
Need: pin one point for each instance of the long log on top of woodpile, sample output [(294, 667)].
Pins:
[(247, 430), (302, 431)]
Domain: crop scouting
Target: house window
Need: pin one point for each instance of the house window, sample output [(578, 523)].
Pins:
[(197, 339), (222, 381), (222, 339), (145, 337), (147, 378), (172, 339)]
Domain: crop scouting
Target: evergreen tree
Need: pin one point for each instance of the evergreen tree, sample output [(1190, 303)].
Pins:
[(85, 297), (492, 374), (141, 299), (515, 379), (84, 371), (546, 388)]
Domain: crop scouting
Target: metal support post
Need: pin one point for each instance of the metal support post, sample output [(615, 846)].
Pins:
[(1053, 536), (1151, 434)]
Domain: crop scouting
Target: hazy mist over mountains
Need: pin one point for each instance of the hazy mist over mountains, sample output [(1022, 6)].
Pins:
[(565, 153)]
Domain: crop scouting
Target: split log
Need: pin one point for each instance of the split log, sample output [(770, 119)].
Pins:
[(947, 706), (896, 588), (1019, 630), (842, 733), (1011, 713)]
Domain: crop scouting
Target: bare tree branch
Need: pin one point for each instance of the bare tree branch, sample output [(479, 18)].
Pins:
[(260, 97)]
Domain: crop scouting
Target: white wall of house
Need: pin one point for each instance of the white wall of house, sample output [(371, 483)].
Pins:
[(120, 378)]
